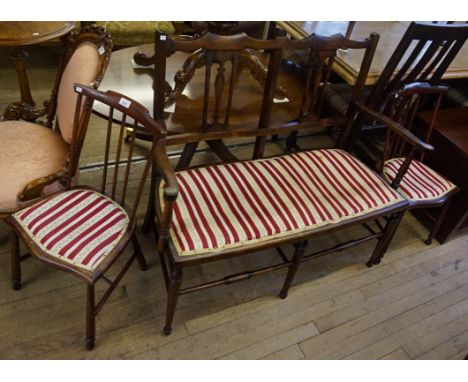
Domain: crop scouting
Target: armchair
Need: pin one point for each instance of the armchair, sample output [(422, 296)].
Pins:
[(403, 159)]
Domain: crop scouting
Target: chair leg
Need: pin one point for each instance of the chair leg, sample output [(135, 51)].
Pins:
[(150, 210), (384, 242), (438, 223), (297, 257), (175, 281), (90, 317), (15, 262), (291, 140), (139, 254), (187, 155)]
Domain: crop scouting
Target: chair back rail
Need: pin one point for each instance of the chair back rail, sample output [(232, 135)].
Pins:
[(220, 56), (321, 52)]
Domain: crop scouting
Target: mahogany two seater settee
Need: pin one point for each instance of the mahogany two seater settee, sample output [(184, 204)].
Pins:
[(216, 211)]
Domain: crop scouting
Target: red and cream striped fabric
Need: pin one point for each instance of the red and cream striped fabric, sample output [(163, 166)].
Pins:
[(230, 205), (420, 181), (78, 226)]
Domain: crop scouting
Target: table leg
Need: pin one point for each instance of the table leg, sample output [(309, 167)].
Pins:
[(26, 108)]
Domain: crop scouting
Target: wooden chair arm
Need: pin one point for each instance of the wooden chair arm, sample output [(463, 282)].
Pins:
[(34, 188), (420, 88), (405, 134), (165, 169)]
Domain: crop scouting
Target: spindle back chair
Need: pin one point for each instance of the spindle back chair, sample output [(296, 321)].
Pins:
[(84, 229), (403, 161)]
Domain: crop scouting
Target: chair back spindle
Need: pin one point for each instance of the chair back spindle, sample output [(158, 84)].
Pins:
[(119, 161)]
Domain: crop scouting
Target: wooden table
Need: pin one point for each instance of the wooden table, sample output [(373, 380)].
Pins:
[(347, 63), (20, 34), (136, 82), (450, 139)]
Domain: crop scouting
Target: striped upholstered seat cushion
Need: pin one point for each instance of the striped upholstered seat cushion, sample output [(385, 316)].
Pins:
[(80, 226), (420, 182), (231, 205)]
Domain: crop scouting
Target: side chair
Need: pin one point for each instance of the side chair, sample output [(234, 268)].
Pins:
[(83, 230), (403, 163), (38, 159)]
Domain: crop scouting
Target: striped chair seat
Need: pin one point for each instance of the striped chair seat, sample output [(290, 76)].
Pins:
[(79, 226), (231, 205), (420, 182)]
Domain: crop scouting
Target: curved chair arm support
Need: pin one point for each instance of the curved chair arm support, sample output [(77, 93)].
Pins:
[(34, 188)]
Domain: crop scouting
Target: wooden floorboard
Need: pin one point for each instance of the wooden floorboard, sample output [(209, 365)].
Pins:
[(414, 305)]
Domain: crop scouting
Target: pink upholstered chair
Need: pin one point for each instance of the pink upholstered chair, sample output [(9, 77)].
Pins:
[(36, 160), (32, 156)]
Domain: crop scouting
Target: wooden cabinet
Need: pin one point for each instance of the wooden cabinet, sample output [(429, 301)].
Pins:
[(450, 139)]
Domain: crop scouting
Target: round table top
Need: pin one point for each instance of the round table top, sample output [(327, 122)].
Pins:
[(136, 82), (32, 32)]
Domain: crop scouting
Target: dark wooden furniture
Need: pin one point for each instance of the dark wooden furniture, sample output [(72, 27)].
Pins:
[(20, 34), (450, 138), (403, 163), (423, 55), (84, 230), (347, 63), (213, 212)]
